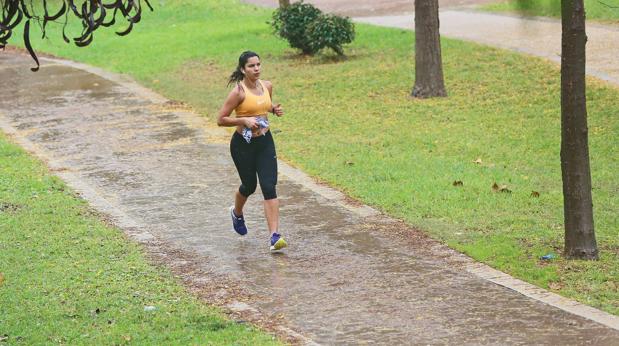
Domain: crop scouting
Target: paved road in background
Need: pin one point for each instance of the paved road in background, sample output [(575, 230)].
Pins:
[(534, 36), (538, 37)]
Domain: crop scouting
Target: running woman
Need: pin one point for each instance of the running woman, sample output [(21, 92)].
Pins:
[(252, 146)]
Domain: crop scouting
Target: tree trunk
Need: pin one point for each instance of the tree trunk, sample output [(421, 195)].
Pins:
[(428, 63), (577, 202), (284, 3)]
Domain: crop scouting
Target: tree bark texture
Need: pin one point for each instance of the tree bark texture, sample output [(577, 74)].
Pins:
[(577, 202), (284, 3), (428, 63)]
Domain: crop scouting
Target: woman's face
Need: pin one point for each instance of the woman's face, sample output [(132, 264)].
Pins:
[(252, 68)]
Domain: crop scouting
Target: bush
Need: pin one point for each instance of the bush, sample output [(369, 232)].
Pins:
[(306, 28), (291, 22), (330, 31)]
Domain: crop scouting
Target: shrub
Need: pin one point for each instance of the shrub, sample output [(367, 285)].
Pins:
[(291, 22), (306, 28), (330, 31)]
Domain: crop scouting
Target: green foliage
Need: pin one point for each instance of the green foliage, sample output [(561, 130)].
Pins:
[(306, 28), (330, 31), (291, 23)]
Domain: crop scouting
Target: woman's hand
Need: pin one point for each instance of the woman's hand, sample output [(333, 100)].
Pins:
[(278, 110), (250, 122)]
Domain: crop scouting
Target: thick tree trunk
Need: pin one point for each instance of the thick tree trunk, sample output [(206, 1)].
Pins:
[(284, 3), (428, 62), (578, 205)]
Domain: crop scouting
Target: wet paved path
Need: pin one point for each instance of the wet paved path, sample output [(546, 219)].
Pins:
[(346, 278)]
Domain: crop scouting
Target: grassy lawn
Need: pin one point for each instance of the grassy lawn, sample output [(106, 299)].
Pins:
[(596, 10), (352, 124), (66, 278)]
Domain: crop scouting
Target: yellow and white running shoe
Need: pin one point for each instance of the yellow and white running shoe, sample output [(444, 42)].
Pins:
[(277, 242)]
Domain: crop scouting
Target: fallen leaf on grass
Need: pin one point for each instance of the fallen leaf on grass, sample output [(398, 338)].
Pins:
[(535, 194), (8, 207), (555, 285), (350, 163), (458, 183), (500, 188), (478, 161)]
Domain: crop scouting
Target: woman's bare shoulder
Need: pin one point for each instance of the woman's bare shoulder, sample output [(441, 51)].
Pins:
[(237, 91), (267, 84)]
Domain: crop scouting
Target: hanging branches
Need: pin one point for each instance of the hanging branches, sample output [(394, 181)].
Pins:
[(93, 14)]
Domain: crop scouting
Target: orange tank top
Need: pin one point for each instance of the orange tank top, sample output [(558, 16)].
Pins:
[(254, 105)]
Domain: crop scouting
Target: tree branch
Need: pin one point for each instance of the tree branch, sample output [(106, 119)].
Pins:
[(91, 13)]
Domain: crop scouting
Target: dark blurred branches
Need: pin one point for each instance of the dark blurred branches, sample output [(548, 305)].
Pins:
[(92, 14)]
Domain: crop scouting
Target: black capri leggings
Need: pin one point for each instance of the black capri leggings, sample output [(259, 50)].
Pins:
[(257, 157)]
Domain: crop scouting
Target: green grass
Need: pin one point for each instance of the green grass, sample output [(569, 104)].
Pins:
[(70, 279), (352, 124), (596, 10)]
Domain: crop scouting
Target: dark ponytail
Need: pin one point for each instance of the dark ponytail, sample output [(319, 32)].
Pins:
[(237, 75)]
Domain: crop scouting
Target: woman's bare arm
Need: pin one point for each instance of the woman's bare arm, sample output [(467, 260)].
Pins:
[(234, 99), (277, 107)]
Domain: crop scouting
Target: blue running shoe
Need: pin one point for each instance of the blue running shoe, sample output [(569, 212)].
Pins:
[(238, 223), (277, 242)]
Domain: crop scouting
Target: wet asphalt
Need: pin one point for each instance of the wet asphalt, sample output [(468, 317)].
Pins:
[(343, 280)]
